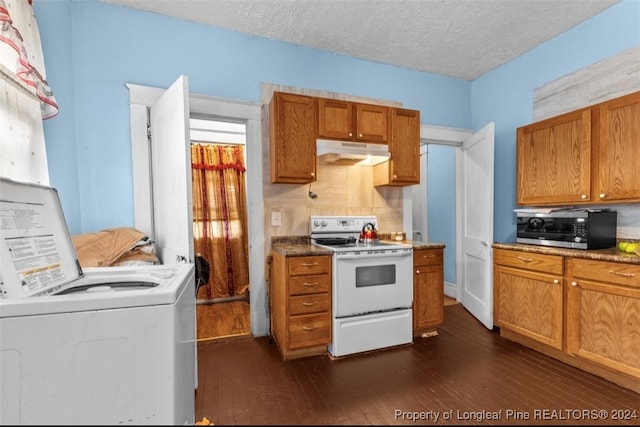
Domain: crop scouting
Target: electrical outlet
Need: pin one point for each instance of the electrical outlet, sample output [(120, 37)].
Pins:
[(276, 219)]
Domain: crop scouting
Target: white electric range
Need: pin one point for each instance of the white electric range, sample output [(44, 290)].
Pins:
[(372, 285)]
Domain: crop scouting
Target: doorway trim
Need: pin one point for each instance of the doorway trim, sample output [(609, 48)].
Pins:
[(438, 135), (140, 99)]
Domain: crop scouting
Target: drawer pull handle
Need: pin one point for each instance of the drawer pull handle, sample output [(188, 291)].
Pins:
[(556, 281), (619, 273), (428, 256), (525, 259), (311, 285), (309, 304), (309, 328), (574, 283), (309, 264)]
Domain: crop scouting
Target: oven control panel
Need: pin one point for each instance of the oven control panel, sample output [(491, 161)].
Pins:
[(340, 224)]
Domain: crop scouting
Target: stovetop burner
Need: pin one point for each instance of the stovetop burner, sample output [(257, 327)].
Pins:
[(342, 234), (335, 241), (357, 244)]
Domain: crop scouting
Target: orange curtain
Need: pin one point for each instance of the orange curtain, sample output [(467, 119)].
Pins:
[(220, 217)]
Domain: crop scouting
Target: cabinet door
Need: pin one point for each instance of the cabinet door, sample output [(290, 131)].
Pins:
[(603, 312), (372, 123), (428, 297), (335, 119), (554, 160), (617, 137), (529, 303), (292, 138), (405, 146), (403, 168)]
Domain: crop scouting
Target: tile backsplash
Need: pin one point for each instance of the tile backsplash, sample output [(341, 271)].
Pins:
[(341, 190), (628, 220)]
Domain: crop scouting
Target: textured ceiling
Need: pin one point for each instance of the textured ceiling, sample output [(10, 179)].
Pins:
[(457, 38)]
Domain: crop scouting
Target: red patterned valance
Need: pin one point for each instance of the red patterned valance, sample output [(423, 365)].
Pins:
[(21, 52)]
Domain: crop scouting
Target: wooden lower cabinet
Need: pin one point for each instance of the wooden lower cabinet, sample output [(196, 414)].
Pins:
[(528, 295), (582, 311), (300, 304), (603, 314), (428, 290)]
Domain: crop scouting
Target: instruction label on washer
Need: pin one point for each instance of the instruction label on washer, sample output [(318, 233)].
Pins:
[(32, 248), (37, 255)]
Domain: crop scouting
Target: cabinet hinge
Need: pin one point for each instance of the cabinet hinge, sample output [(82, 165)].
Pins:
[(149, 125)]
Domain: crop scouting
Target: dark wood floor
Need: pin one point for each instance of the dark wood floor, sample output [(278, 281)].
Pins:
[(462, 376)]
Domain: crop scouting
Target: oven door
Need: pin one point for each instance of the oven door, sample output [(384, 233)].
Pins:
[(370, 282)]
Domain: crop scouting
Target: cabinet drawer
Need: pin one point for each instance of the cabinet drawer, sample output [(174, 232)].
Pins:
[(309, 330), (300, 285), (530, 261), (306, 304), (424, 257), (602, 271), (309, 265)]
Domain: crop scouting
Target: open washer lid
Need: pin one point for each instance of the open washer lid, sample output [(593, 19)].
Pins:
[(37, 255)]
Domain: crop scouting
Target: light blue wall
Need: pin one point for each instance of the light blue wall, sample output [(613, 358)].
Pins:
[(93, 49), (505, 95), (441, 203)]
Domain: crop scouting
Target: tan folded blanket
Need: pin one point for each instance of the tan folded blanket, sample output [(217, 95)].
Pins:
[(109, 247)]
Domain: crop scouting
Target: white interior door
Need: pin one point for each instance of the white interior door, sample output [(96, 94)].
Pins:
[(475, 207), (171, 174)]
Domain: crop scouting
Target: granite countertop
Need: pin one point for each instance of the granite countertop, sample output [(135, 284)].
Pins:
[(417, 244), (297, 246), (299, 249), (302, 246), (610, 254)]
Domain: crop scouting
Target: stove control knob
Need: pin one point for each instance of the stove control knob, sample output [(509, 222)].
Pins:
[(316, 223), (323, 223)]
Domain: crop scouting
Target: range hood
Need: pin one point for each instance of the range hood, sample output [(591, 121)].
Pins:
[(351, 153)]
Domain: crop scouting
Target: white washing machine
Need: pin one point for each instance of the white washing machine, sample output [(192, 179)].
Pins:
[(114, 345)]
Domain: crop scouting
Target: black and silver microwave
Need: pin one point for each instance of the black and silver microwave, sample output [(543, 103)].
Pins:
[(574, 228)]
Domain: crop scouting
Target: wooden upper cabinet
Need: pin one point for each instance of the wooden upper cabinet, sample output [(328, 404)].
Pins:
[(292, 130), (554, 160), (617, 146), (591, 155), (372, 123), (403, 168), (335, 119), (352, 121)]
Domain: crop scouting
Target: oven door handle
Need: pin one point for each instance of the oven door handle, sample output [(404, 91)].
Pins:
[(375, 255)]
